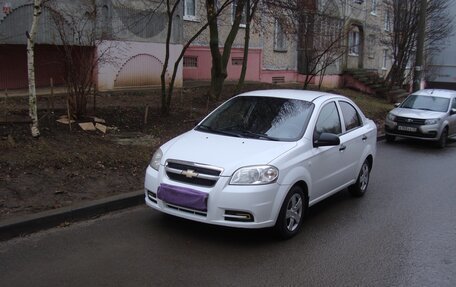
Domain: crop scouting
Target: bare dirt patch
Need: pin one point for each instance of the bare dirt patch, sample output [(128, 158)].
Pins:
[(65, 167)]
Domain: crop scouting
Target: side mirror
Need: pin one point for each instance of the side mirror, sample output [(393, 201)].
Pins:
[(396, 105), (326, 139), (452, 111)]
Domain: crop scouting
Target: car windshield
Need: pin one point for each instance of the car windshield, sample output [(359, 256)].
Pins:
[(427, 103), (265, 118)]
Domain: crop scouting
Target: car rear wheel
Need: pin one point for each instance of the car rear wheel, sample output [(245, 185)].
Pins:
[(441, 143), (291, 214), (359, 188)]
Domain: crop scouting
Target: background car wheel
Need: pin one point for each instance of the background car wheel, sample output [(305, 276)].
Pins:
[(441, 143), (359, 188), (291, 214), (390, 138)]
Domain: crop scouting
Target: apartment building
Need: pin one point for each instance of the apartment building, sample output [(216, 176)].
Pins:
[(132, 35)]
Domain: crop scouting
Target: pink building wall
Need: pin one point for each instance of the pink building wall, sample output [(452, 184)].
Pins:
[(255, 71), (203, 70)]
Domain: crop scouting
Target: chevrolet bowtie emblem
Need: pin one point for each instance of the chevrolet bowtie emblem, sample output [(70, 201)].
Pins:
[(189, 173)]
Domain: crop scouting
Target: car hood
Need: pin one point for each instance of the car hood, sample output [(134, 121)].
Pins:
[(416, 114), (229, 153)]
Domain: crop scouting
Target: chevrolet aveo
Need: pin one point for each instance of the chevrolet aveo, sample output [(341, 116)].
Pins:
[(262, 158)]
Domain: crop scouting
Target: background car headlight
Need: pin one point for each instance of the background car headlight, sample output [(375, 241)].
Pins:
[(431, 121), (263, 174), (391, 117), (156, 158)]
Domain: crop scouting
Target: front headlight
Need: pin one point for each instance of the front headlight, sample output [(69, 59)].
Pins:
[(391, 117), (431, 121), (263, 174), (156, 158)]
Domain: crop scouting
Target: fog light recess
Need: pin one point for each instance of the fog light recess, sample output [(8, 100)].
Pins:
[(239, 216)]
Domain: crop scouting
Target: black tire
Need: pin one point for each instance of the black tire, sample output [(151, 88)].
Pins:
[(360, 187), (390, 138), (441, 143), (294, 207)]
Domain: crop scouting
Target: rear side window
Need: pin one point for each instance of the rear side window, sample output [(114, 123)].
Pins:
[(352, 119), (328, 121)]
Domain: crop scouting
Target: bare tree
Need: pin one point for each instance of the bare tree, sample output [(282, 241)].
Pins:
[(79, 38), (220, 59), (251, 11), (168, 89), (33, 111), (402, 32), (320, 33)]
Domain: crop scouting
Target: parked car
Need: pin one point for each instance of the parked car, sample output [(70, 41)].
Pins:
[(426, 115), (262, 158)]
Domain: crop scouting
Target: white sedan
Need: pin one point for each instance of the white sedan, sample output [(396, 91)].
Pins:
[(262, 158)]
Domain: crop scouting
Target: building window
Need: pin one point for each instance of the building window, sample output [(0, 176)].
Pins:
[(280, 40), (385, 59), (190, 62), (387, 24), (243, 17), (190, 10), (374, 7), (353, 42), (237, 61), (371, 40)]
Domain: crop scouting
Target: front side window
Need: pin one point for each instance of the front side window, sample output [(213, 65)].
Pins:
[(328, 121), (265, 118), (352, 120), (189, 9), (454, 104)]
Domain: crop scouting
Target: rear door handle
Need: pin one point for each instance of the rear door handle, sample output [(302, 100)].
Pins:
[(342, 148), (364, 138)]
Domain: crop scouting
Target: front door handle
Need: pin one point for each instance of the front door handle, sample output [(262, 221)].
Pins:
[(364, 138), (342, 148)]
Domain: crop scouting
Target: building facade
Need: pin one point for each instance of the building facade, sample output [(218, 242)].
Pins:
[(129, 39)]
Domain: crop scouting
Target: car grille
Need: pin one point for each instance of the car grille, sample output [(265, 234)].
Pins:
[(410, 121), (192, 173)]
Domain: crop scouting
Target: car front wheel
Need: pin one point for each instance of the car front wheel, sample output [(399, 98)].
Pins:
[(359, 188), (292, 213), (441, 143)]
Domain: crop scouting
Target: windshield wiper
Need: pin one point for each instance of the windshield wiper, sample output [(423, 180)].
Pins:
[(216, 131), (258, 135)]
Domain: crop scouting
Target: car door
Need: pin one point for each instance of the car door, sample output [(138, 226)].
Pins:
[(327, 162), (452, 120), (353, 139)]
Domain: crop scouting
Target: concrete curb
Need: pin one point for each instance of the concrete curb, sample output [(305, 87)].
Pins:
[(44, 220)]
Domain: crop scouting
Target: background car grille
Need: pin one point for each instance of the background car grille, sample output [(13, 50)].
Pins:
[(410, 121), (204, 175)]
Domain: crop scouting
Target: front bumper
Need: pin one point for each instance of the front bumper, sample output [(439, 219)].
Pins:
[(422, 132), (228, 205)]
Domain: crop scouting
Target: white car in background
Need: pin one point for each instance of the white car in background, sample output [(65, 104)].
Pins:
[(262, 158), (426, 115)]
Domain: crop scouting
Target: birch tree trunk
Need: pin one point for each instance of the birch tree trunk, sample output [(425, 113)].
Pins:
[(33, 111)]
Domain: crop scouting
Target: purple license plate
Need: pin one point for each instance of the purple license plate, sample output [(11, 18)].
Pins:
[(182, 196)]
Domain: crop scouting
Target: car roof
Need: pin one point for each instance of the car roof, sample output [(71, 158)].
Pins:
[(436, 92), (291, 94)]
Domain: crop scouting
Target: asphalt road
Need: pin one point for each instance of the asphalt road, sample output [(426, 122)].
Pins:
[(402, 233)]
